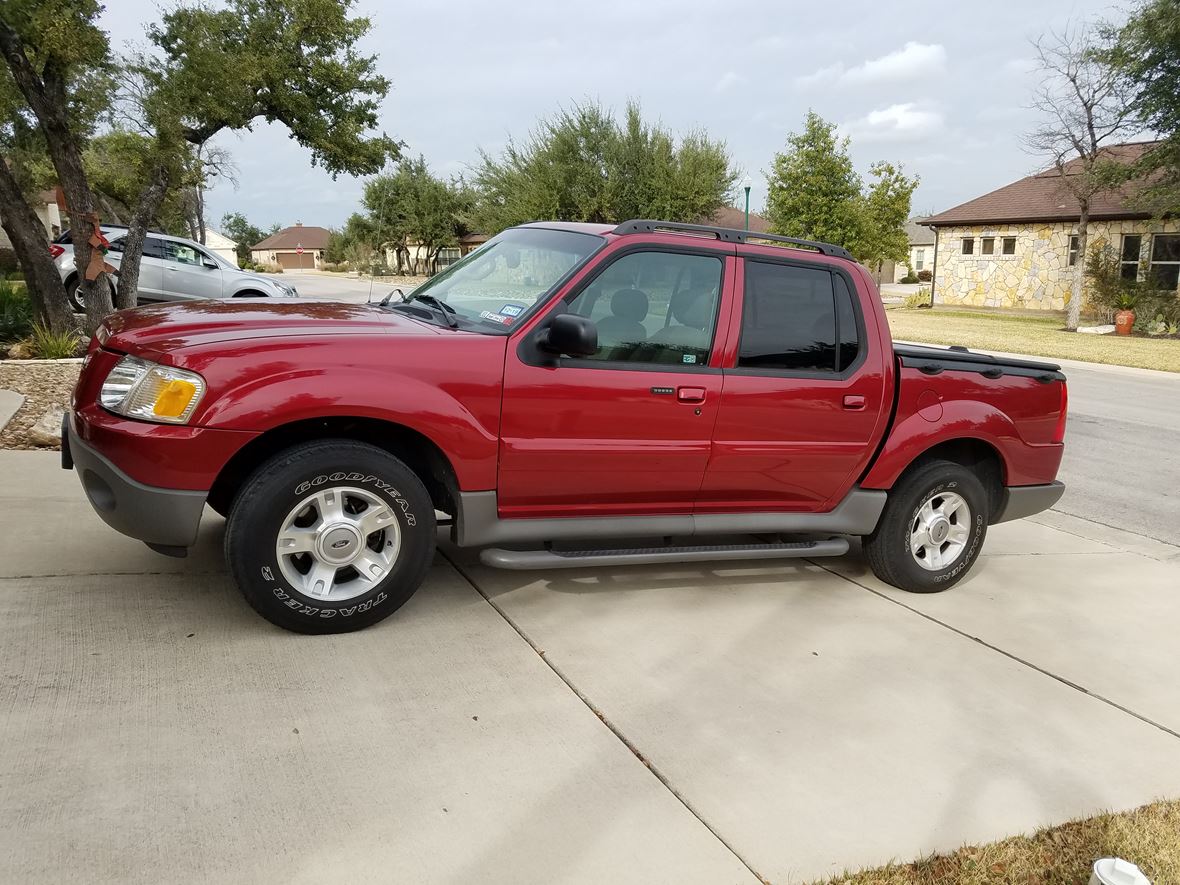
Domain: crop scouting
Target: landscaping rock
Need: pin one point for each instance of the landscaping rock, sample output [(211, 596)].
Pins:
[(47, 430), (1097, 330), (22, 350), (44, 386)]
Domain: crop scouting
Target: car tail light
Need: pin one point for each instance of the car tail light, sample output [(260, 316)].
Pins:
[(55, 251), (1059, 433)]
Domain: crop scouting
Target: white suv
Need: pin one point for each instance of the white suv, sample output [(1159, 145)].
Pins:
[(172, 269)]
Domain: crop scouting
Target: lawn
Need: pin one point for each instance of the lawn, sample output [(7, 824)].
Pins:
[(1035, 334), (1062, 855)]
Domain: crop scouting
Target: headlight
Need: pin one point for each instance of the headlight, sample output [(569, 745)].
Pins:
[(140, 389)]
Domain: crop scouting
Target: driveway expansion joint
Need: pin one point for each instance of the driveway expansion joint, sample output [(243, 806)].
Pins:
[(1022, 661), (623, 739)]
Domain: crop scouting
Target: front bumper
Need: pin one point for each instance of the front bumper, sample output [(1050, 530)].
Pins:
[(1022, 501), (161, 518)]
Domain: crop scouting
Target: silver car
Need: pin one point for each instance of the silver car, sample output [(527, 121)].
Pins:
[(172, 269)]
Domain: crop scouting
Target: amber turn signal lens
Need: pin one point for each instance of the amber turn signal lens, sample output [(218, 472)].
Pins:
[(174, 398)]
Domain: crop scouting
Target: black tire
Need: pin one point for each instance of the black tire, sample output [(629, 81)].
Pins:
[(76, 302), (264, 502), (888, 549)]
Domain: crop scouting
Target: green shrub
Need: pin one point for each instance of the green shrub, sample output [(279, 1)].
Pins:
[(269, 268), (911, 277), (49, 345), (16, 276), (16, 313)]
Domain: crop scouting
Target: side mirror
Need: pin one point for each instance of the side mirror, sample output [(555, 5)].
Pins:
[(212, 265), (571, 335)]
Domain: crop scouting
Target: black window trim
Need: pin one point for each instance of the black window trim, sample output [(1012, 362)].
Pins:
[(531, 355), (810, 374)]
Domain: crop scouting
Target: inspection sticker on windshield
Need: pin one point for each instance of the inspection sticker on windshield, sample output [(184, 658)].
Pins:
[(494, 317), (512, 310), (689, 358)]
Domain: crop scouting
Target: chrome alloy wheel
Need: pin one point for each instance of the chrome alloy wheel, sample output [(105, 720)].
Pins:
[(939, 532), (338, 543)]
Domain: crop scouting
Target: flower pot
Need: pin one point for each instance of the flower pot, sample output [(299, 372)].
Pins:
[(1124, 320)]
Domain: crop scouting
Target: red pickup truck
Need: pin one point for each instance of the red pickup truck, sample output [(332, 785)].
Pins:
[(567, 395)]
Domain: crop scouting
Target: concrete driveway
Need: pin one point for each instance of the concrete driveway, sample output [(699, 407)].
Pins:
[(659, 724)]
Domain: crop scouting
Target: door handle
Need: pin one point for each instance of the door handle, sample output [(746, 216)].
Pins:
[(690, 394), (854, 403)]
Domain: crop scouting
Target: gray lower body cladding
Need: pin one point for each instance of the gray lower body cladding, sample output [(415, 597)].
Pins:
[(478, 524), (166, 518)]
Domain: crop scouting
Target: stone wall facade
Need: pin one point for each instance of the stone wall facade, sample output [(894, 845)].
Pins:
[(1038, 275)]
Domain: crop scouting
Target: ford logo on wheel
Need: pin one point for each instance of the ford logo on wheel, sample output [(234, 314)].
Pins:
[(343, 542)]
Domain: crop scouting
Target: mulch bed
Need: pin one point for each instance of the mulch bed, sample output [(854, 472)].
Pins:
[(43, 385)]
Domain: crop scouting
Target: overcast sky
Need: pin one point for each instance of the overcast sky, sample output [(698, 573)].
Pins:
[(941, 87)]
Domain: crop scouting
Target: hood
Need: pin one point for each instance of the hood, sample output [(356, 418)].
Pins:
[(164, 327)]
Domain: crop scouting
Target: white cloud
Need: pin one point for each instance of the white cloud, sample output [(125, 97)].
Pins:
[(726, 81), (830, 74), (912, 61), (898, 122)]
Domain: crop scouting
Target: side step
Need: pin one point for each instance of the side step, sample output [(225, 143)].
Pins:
[(524, 560)]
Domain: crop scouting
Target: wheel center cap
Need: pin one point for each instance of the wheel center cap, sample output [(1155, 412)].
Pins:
[(339, 543), (939, 529)]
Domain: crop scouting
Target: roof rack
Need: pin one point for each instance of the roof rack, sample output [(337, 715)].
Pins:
[(726, 235)]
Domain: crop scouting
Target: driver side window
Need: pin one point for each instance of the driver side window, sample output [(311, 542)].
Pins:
[(654, 307)]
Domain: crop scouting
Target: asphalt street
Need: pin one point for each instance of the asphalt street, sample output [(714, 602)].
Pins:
[(1122, 461)]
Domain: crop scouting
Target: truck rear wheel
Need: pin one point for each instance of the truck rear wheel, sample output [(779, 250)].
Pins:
[(932, 529), (330, 536)]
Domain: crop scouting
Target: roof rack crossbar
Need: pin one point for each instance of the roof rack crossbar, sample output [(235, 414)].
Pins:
[(727, 235)]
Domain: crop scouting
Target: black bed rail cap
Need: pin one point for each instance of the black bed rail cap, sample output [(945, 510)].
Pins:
[(726, 235)]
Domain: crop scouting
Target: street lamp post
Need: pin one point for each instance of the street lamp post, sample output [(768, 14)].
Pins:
[(746, 187)]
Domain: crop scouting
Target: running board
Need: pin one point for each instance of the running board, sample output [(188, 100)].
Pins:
[(527, 560)]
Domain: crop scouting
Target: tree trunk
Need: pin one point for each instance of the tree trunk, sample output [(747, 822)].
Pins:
[(20, 222), (149, 204), (1073, 312), (46, 95)]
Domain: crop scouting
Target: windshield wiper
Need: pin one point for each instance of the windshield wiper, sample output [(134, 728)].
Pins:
[(445, 309)]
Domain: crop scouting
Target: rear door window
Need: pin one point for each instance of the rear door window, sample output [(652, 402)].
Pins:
[(797, 319)]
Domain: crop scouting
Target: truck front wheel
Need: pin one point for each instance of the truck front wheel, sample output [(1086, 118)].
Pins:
[(330, 536), (932, 529)]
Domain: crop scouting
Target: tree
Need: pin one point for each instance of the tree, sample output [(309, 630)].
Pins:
[(411, 207), (1146, 52), (235, 226), (1086, 104), (583, 165), (814, 192), (209, 70), (57, 64), (884, 211)]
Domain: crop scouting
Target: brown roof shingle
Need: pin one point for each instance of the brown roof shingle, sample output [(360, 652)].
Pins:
[(729, 216), (1042, 197), (309, 236)]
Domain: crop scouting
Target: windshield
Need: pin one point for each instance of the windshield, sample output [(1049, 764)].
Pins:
[(494, 285)]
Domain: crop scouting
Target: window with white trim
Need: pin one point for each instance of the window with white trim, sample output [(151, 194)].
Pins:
[(1165, 261), (1129, 258)]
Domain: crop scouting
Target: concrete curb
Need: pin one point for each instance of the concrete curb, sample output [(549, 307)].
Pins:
[(10, 403), (65, 361)]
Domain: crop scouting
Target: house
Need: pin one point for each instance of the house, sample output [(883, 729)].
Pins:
[(1017, 247), (447, 255), (215, 241), (732, 217), (45, 206), (293, 248), (921, 239)]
